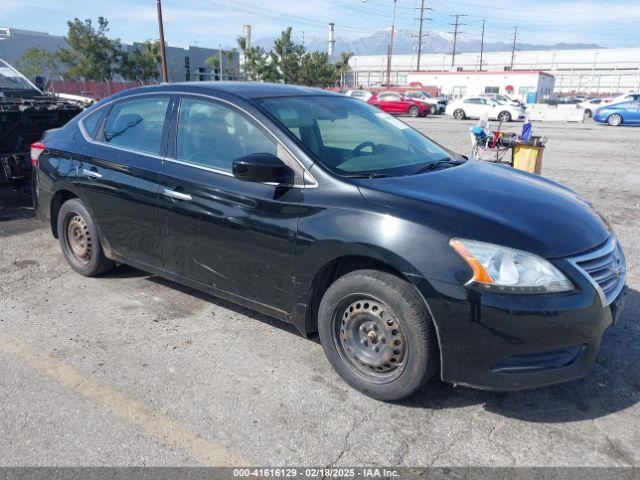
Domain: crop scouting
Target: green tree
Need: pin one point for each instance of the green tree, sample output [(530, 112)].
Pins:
[(92, 55), (317, 71), (256, 64), (38, 61), (213, 62), (230, 56), (141, 64), (286, 56), (342, 66)]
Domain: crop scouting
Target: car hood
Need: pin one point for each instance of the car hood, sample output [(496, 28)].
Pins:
[(495, 204)]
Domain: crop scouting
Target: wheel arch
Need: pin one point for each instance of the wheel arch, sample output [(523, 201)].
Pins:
[(333, 268), (57, 200), (615, 113)]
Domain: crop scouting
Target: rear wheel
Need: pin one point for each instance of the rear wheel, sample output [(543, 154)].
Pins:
[(413, 111), (459, 114), (79, 240), (504, 116), (378, 335), (614, 120)]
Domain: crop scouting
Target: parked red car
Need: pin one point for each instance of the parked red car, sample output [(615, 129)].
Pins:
[(394, 102)]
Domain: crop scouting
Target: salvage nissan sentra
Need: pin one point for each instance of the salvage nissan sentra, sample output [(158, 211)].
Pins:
[(410, 261)]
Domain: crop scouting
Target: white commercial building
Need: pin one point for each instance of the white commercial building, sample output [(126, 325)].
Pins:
[(604, 71), (457, 84)]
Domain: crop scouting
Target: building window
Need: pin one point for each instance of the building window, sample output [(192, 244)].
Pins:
[(459, 91), (491, 89), (525, 90)]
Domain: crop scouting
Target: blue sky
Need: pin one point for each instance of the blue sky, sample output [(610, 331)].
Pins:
[(213, 22)]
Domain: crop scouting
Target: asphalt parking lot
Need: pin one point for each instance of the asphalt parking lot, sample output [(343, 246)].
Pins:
[(130, 369)]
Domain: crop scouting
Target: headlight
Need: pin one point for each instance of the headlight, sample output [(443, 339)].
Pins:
[(508, 270)]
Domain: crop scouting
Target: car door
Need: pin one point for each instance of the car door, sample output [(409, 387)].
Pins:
[(390, 102), (232, 236), (474, 107), (117, 175), (633, 112)]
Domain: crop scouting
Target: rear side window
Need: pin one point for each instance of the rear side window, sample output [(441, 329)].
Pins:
[(137, 124), (213, 135), (92, 122)]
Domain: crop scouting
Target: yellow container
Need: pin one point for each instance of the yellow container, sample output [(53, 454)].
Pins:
[(528, 158)]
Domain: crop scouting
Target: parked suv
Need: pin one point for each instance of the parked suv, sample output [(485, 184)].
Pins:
[(410, 261)]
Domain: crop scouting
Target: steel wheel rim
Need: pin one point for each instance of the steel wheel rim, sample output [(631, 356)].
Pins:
[(79, 239), (370, 338)]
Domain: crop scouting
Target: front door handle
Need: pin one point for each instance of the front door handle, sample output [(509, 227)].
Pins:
[(91, 173), (175, 194)]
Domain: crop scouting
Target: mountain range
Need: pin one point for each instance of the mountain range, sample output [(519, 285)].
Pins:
[(404, 43)]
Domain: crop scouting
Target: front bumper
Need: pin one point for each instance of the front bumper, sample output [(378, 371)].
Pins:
[(512, 342)]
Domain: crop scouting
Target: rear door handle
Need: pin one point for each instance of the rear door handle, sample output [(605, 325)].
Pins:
[(91, 173), (177, 195)]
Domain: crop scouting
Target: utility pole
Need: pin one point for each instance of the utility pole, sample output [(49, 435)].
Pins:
[(455, 36), (163, 55), (481, 45), (390, 51), (513, 49), (302, 35), (220, 62), (420, 34)]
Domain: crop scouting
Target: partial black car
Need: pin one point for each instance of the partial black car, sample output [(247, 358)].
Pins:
[(410, 261)]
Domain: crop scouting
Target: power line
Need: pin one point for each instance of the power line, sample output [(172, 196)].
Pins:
[(455, 35)]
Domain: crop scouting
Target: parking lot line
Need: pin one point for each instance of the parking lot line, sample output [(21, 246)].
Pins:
[(132, 411)]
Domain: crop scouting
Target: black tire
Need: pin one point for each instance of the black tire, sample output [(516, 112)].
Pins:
[(384, 368), (413, 111), (614, 120), (588, 113), (459, 114), (79, 240), (504, 116)]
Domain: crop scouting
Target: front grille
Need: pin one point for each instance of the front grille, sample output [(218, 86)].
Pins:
[(605, 268)]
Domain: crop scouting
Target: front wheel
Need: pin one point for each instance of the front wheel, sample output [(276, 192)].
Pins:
[(459, 114), (377, 333), (79, 240), (413, 111), (504, 116), (614, 120)]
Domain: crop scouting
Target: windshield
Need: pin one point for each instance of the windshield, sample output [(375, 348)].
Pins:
[(11, 79), (350, 137)]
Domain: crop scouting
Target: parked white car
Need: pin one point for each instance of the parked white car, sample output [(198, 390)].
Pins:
[(627, 97), (363, 95), (438, 104), (496, 97), (591, 105), (475, 107)]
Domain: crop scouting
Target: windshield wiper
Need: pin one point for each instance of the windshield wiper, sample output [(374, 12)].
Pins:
[(368, 175), (439, 165)]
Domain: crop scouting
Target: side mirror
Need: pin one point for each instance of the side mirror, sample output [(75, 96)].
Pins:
[(262, 168)]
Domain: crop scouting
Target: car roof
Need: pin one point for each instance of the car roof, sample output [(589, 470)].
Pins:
[(245, 90)]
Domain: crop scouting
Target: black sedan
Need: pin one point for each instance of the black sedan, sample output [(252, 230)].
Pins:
[(410, 261)]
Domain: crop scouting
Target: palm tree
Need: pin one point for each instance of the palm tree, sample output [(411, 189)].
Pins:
[(242, 44), (343, 66), (229, 55)]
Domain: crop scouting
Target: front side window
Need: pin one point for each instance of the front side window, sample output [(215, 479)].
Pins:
[(137, 124), (213, 135), (390, 97), (350, 137)]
